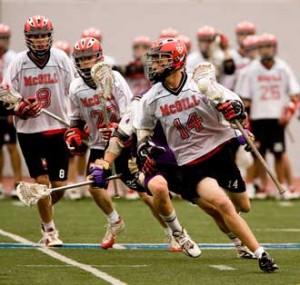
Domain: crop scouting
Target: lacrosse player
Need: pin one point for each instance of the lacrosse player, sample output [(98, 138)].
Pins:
[(270, 88), (7, 129), (214, 48), (41, 76), (199, 139), (88, 52)]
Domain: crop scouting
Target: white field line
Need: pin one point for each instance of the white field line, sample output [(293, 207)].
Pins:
[(278, 230), (222, 267), (64, 259), (93, 265)]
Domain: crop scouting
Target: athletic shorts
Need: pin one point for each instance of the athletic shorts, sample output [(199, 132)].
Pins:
[(269, 135), (221, 166), (45, 154), (121, 165), (8, 133)]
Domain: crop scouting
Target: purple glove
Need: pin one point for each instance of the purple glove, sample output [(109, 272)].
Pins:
[(99, 175)]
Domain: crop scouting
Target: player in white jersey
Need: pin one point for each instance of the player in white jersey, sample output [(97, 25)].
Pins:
[(7, 130), (213, 47), (97, 34), (42, 75), (88, 108), (271, 90), (86, 53), (198, 137)]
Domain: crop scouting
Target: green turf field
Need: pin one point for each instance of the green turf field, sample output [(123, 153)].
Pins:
[(80, 223)]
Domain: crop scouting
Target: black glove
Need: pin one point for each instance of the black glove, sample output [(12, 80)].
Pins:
[(232, 110)]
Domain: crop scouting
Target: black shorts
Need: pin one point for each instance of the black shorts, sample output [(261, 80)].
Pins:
[(45, 154), (7, 132), (269, 135), (121, 165), (221, 166)]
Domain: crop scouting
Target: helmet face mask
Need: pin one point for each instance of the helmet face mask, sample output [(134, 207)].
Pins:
[(267, 46), (164, 58), (86, 53), (38, 32)]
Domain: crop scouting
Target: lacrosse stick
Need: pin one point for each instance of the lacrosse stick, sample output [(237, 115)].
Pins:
[(31, 193), (204, 77), (103, 77), (11, 99)]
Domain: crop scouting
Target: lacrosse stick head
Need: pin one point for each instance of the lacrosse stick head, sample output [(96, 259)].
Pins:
[(31, 193), (205, 77), (9, 97), (102, 75)]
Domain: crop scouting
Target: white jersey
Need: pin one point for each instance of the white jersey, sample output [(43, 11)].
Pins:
[(50, 86), (268, 89), (5, 60), (86, 105), (240, 62), (192, 125)]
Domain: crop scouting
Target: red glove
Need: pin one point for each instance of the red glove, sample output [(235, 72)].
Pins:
[(28, 108), (150, 167), (232, 109), (74, 140), (224, 43), (105, 132), (288, 112)]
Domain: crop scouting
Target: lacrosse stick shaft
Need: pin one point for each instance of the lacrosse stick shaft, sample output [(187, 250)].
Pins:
[(50, 114), (113, 167), (259, 157), (290, 135), (71, 186), (106, 89)]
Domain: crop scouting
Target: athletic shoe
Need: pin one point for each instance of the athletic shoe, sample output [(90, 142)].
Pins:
[(267, 263), (112, 231), (50, 238), (189, 247), (73, 194), (173, 244), (132, 195), (250, 189), (244, 252)]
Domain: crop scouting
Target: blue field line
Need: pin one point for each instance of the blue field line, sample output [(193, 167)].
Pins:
[(150, 246)]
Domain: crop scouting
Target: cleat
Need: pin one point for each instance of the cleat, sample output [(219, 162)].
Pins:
[(73, 194), (173, 244), (189, 247), (132, 195), (112, 231), (267, 263), (50, 238), (244, 252)]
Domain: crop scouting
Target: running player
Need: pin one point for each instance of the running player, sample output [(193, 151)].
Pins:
[(42, 75), (198, 137)]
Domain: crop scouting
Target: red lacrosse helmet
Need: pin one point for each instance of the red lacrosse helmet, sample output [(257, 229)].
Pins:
[(245, 28), (186, 40), (63, 45), (267, 40), (86, 52), (250, 42), (38, 32), (92, 33), (206, 33), (164, 57), (4, 31), (168, 33)]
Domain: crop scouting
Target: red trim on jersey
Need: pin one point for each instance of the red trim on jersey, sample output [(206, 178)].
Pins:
[(207, 156), (54, 132)]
